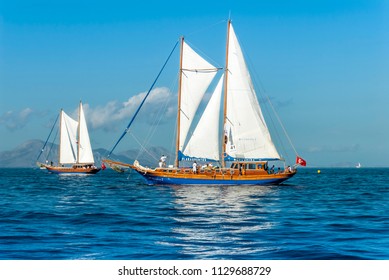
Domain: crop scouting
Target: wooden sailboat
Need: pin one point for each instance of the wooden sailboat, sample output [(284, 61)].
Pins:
[(245, 148), (75, 151)]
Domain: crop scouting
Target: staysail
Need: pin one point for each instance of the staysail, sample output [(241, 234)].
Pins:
[(245, 128), (68, 140), (207, 130)]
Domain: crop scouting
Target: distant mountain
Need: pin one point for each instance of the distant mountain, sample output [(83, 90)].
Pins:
[(25, 155)]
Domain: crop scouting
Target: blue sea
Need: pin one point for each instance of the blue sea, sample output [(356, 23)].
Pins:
[(335, 215)]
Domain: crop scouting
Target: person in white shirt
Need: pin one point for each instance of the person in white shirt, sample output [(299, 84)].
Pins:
[(162, 161), (195, 167)]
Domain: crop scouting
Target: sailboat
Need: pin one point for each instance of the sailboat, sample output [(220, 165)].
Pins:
[(231, 132), (75, 151)]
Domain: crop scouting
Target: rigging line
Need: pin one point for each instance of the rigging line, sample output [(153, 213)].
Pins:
[(48, 137), (264, 99), (282, 126), (201, 30), (204, 70), (277, 133), (52, 144), (143, 101), (156, 122), (158, 118), (266, 109), (263, 96), (184, 114), (143, 147)]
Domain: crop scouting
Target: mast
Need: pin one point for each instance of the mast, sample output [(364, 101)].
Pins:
[(60, 138), (78, 134), (224, 139), (176, 162)]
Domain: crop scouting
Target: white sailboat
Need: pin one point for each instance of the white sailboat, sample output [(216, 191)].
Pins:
[(75, 151), (246, 142)]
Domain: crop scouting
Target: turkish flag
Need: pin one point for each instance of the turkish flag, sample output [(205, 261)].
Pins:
[(301, 161)]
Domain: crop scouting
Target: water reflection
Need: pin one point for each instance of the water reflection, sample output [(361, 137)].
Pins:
[(222, 222)]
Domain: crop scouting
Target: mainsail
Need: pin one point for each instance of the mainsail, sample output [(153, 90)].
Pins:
[(85, 154), (245, 127)]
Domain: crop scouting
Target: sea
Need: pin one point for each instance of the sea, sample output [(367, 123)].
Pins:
[(334, 214)]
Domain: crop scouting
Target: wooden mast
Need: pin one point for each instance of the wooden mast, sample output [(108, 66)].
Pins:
[(60, 138), (176, 162), (78, 132), (224, 137)]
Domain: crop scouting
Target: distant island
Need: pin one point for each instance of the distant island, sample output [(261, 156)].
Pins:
[(25, 155)]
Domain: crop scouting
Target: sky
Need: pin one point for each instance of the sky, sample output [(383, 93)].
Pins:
[(323, 64)]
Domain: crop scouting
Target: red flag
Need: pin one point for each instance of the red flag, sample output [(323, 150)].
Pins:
[(103, 166), (301, 161)]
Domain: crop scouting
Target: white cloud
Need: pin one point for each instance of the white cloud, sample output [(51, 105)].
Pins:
[(16, 120), (107, 117)]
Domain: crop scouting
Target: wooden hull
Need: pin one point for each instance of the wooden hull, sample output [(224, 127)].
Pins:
[(185, 176), (72, 170), (202, 180)]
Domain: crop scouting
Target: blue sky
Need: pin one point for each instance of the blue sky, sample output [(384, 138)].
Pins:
[(324, 65)]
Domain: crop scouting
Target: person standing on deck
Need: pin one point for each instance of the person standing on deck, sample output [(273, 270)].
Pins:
[(195, 167), (162, 161)]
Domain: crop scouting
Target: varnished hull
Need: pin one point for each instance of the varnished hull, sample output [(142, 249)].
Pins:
[(162, 177), (72, 170)]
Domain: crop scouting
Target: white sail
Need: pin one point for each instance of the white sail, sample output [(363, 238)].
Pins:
[(204, 143), (196, 76), (85, 149), (248, 135), (68, 142)]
